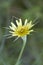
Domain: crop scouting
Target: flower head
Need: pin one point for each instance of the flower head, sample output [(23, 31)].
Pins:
[(21, 30)]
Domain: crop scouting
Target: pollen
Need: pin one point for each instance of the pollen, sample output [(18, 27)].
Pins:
[(22, 30)]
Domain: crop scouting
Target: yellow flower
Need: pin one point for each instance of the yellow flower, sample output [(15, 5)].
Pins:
[(21, 30)]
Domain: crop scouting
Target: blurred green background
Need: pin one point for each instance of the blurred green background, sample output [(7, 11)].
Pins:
[(9, 50)]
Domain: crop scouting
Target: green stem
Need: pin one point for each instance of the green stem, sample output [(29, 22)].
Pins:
[(21, 52)]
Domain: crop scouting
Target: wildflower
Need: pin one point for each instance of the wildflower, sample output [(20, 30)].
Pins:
[(21, 30)]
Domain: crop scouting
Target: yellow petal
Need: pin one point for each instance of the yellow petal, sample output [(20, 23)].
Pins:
[(30, 31), (13, 33), (30, 25), (25, 21), (20, 22), (12, 28), (17, 22), (13, 25)]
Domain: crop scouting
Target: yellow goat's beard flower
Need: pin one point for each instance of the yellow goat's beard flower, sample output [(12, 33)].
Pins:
[(21, 30)]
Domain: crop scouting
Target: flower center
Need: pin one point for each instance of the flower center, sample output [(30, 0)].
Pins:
[(22, 30)]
